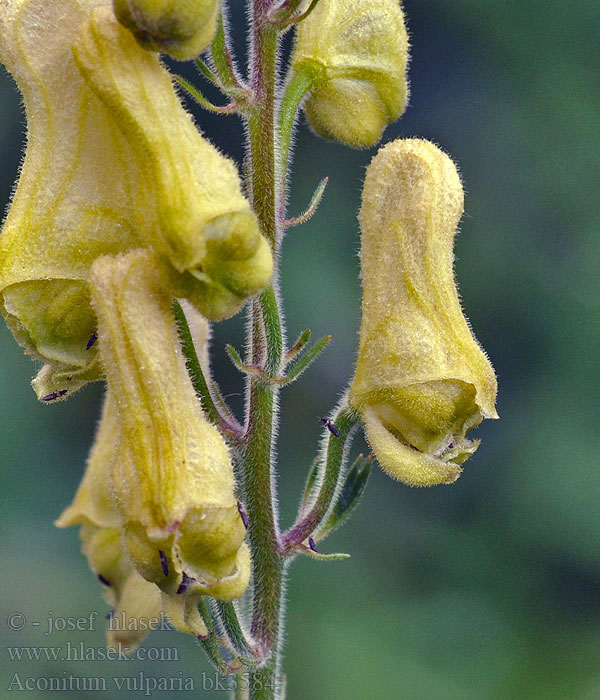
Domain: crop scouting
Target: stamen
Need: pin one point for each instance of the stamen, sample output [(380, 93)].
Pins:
[(163, 562), (54, 395), (92, 340), (185, 582), (243, 515)]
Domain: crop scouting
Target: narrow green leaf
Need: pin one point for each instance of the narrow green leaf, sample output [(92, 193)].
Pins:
[(299, 84), (200, 99), (298, 346), (304, 362), (221, 56), (272, 324), (206, 72), (210, 644), (312, 207), (311, 481), (303, 549), (234, 356), (231, 624), (346, 420), (294, 20), (193, 365), (349, 496)]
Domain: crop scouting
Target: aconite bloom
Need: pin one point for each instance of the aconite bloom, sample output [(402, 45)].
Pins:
[(172, 479), (191, 207), (354, 53), (422, 381), (74, 200), (181, 28), (134, 600)]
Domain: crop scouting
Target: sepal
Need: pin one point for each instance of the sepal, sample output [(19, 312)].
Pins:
[(68, 207), (173, 479), (421, 381), (134, 600), (180, 28), (354, 52), (193, 212)]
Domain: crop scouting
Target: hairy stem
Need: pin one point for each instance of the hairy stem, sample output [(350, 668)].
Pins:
[(338, 446), (266, 348)]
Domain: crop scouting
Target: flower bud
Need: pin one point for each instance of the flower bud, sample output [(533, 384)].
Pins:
[(74, 197), (134, 599), (192, 210), (355, 54), (421, 379), (173, 480), (181, 28)]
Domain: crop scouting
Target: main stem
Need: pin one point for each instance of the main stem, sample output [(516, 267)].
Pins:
[(266, 348)]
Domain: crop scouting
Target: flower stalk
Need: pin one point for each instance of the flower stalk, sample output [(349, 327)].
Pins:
[(265, 343)]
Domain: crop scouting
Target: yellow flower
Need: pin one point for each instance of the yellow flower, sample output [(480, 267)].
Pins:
[(173, 479), (421, 379), (181, 28), (135, 601), (193, 211), (110, 166), (75, 197), (356, 52)]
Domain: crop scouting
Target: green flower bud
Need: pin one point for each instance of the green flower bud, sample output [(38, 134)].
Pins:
[(354, 52), (422, 381), (74, 197), (181, 28), (191, 208), (172, 480)]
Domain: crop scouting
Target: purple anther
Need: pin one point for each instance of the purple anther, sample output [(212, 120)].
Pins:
[(54, 395), (110, 615), (103, 580), (185, 582), (330, 426), (163, 562), (311, 544), (243, 515), (92, 340)]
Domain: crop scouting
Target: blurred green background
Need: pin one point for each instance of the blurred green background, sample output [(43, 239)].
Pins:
[(485, 590)]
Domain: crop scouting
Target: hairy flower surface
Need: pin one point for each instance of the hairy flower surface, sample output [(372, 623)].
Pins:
[(181, 28), (134, 600), (422, 381), (356, 52), (113, 163), (194, 212), (172, 479), (74, 200)]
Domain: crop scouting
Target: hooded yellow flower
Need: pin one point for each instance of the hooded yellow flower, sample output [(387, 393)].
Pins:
[(74, 199), (110, 166), (193, 212), (135, 601), (173, 480), (355, 52), (422, 381)]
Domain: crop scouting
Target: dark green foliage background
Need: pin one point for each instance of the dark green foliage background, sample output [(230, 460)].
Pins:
[(485, 590)]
